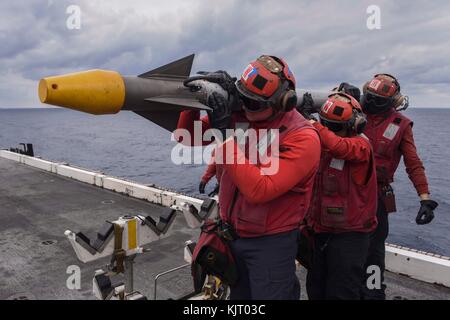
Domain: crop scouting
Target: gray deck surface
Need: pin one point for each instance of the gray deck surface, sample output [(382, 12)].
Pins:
[(36, 208)]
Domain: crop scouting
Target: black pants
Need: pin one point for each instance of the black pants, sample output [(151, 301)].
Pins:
[(266, 267), (338, 266), (377, 253)]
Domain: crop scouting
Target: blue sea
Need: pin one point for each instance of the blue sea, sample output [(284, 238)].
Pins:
[(128, 146)]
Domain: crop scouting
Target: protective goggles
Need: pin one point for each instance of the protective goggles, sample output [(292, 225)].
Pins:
[(255, 103), (333, 125), (376, 100), (251, 105)]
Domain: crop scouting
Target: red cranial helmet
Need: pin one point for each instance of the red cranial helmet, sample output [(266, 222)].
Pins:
[(383, 85), (381, 94), (342, 111), (267, 82)]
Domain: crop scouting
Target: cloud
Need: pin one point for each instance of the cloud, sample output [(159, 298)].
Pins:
[(324, 43)]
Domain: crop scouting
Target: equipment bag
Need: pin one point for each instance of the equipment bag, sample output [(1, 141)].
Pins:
[(212, 255)]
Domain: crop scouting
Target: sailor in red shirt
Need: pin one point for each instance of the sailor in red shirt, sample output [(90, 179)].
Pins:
[(263, 209), (343, 210), (212, 170), (390, 133)]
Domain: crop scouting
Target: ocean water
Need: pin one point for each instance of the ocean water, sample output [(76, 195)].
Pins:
[(128, 146)]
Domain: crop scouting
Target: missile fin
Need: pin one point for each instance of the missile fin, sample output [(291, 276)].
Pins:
[(165, 111), (166, 120), (178, 69)]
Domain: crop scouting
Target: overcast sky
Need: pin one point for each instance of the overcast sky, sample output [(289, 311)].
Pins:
[(324, 42)]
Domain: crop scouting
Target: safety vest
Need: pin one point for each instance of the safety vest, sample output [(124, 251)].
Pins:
[(279, 215), (386, 138), (339, 204)]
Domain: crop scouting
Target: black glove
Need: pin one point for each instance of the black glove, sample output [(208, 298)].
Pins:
[(220, 116), (350, 90), (201, 187), (220, 77), (215, 191), (306, 108), (426, 214)]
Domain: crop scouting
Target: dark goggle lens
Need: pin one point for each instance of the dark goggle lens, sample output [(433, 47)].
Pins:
[(333, 126), (254, 105), (377, 100)]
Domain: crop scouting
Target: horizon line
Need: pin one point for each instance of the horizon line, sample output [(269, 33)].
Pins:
[(61, 108)]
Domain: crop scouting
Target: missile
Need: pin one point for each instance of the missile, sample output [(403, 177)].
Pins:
[(318, 97), (157, 95)]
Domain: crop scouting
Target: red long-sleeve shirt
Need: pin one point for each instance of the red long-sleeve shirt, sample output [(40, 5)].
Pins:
[(212, 169), (298, 161), (186, 121), (209, 172), (297, 164), (354, 149), (413, 164), (411, 159)]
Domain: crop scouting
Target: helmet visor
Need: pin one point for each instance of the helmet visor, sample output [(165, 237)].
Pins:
[(252, 102), (334, 126), (251, 105), (377, 101)]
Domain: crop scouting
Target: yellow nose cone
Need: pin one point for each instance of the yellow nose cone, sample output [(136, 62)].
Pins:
[(94, 91)]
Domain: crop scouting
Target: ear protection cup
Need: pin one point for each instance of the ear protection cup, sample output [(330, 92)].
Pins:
[(288, 100), (358, 122), (398, 100)]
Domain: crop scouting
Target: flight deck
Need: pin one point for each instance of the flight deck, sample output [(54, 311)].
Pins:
[(37, 207)]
